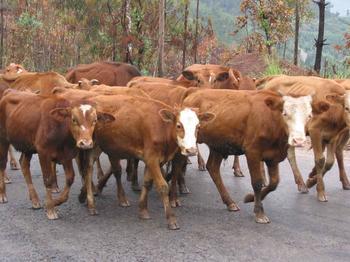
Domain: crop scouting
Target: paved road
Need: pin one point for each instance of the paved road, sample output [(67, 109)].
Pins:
[(301, 228)]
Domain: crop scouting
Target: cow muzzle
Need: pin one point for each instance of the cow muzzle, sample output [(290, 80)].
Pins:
[(189, 151), (297, 141), (85, 144)]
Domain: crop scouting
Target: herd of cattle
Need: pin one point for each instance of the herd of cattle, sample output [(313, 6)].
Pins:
[(108, 107)]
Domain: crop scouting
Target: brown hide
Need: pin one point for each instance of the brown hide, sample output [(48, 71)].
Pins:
[(108, 73), (41, 83)]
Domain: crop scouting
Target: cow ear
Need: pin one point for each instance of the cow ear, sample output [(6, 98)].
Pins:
[(188, 75), (105, 117), (60, 113), (222, 76), (167, 115), (320, 107), (206, 117), (274, 103)]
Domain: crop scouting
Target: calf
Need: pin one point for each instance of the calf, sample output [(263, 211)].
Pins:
[(53, 128), (327, 128), (150, 131), (262, 126)]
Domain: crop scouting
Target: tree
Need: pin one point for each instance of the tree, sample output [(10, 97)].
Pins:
[(196, 33), (161, 38), (185, 36), (320, 41), (273, 18)]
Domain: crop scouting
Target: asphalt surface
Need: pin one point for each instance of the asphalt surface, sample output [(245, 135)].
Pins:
[(301, 228)]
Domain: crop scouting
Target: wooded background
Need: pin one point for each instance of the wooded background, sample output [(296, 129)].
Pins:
[(57, 34)]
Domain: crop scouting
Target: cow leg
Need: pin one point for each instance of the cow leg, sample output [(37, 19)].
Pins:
[(318, 149), (129, 169), (46, 168), (178, 163), (343, 139), (183, 189), (25, 166), (103, 180), (163, 190), (117, 171), (299, 181), (69, 174), (200, 161), (134, 177), (3, 162), (143, 201), (13, 161), (257, 184), (213, 166), (55, 188), (342, 174), (263, 173), (85, 161), (237, 172), (100, 173)]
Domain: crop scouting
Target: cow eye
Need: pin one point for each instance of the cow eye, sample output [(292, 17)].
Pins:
[(178, 126), (310, 116), (75, 122), (94, 122), (284, 113), (347, 108)]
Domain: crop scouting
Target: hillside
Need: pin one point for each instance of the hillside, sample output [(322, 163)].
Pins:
[(223, 13)]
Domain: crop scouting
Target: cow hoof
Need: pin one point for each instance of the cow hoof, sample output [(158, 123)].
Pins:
[(14, 165), (82, 197), (173, 226), (183, 189), (249, 198), (238, 173), (175, 203), (262, 219), (7, 180), (346, 186), (36, 205), (124, 203), (303, 189), (201, 168), (52, 214), (3, 198), (233, 207), (322, 198), (55, 190), (143, 214), (135, 188), (92, 211), (310, 182)]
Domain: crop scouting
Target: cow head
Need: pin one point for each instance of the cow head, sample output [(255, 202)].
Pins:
[(211, 76), (186, 122), (14, 69), (296, 112), (82, 119), (86, 84)]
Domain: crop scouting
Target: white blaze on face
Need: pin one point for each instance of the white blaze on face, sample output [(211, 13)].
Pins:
[(85, 108), (83, 127), (19, 70), (296, 113), (189, 120)]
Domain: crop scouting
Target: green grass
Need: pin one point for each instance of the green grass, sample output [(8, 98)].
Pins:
[(273, 67)]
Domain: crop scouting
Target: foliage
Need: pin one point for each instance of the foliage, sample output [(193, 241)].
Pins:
[(273, 67)]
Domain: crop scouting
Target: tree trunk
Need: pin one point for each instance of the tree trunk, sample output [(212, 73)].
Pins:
[(185, 37), (2, 34), (296, 38), (320, 42), (196, 34), (161, 38), (127, 30)]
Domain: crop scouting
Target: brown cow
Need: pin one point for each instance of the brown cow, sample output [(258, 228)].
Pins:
[(53, 128), (262, 126), (108, 73), (13, 69), (327, 130), (42, 83), (150, 131)]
